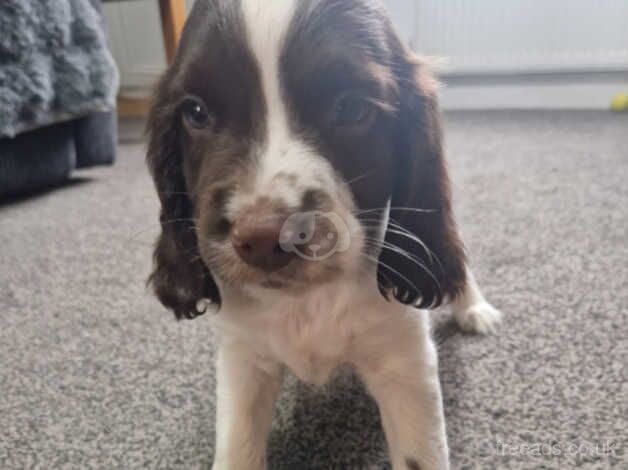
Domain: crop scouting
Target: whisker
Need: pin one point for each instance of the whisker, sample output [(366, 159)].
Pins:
[(190, 195), (381, 263), (395, 208), (160, 224), (396, 249), (150, 227), (132, 240), (416, 239), (172, 221), (359, 178), (402, 231), (195, 259), (405, 254)]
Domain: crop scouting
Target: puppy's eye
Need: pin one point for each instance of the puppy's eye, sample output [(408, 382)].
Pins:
[(195, 113), (351, 111)]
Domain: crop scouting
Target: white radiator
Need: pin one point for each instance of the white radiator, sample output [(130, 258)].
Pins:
[(510, 36)]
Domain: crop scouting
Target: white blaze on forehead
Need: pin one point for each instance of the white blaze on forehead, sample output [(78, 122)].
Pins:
[(267, 24)]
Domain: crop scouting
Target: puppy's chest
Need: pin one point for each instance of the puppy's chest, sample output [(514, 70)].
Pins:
[(311, 343)]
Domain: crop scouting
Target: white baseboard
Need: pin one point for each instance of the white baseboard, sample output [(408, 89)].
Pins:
[(535, 96)]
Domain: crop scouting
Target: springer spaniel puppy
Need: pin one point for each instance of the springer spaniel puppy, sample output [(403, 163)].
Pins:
[(297, 152)]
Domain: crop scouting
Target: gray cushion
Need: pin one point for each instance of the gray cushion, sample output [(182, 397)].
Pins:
[(55, 63)]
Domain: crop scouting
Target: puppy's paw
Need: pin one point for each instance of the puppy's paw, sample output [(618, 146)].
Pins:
[(480, 318)]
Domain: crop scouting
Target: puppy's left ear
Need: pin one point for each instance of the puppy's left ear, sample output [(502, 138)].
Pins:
[(180, 279), (430, 262)]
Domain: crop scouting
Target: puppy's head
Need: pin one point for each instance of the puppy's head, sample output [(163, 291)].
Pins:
[(294, 143)]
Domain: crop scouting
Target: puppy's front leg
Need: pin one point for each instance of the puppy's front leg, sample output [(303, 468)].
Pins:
[(398, 362), (246, 389)]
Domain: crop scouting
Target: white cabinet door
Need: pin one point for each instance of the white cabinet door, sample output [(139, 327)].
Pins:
[(404, 15), (529, 36), (137, 43)]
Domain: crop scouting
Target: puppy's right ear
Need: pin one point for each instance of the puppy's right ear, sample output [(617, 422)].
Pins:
[(180, 279)]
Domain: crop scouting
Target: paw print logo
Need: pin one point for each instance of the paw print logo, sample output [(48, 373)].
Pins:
[(314, 235)]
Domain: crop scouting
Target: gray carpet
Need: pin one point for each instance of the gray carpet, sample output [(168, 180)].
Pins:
[(95, 374)]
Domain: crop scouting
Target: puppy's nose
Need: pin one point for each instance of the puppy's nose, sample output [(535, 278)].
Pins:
[(257, 243)]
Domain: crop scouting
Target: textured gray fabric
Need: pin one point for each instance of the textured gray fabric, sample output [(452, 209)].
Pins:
[(55, 64), (95, 374)]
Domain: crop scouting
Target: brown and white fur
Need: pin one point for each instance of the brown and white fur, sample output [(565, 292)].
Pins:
[(284, 107)]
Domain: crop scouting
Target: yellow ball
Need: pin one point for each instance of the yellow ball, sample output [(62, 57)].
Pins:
[(620, 102)]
